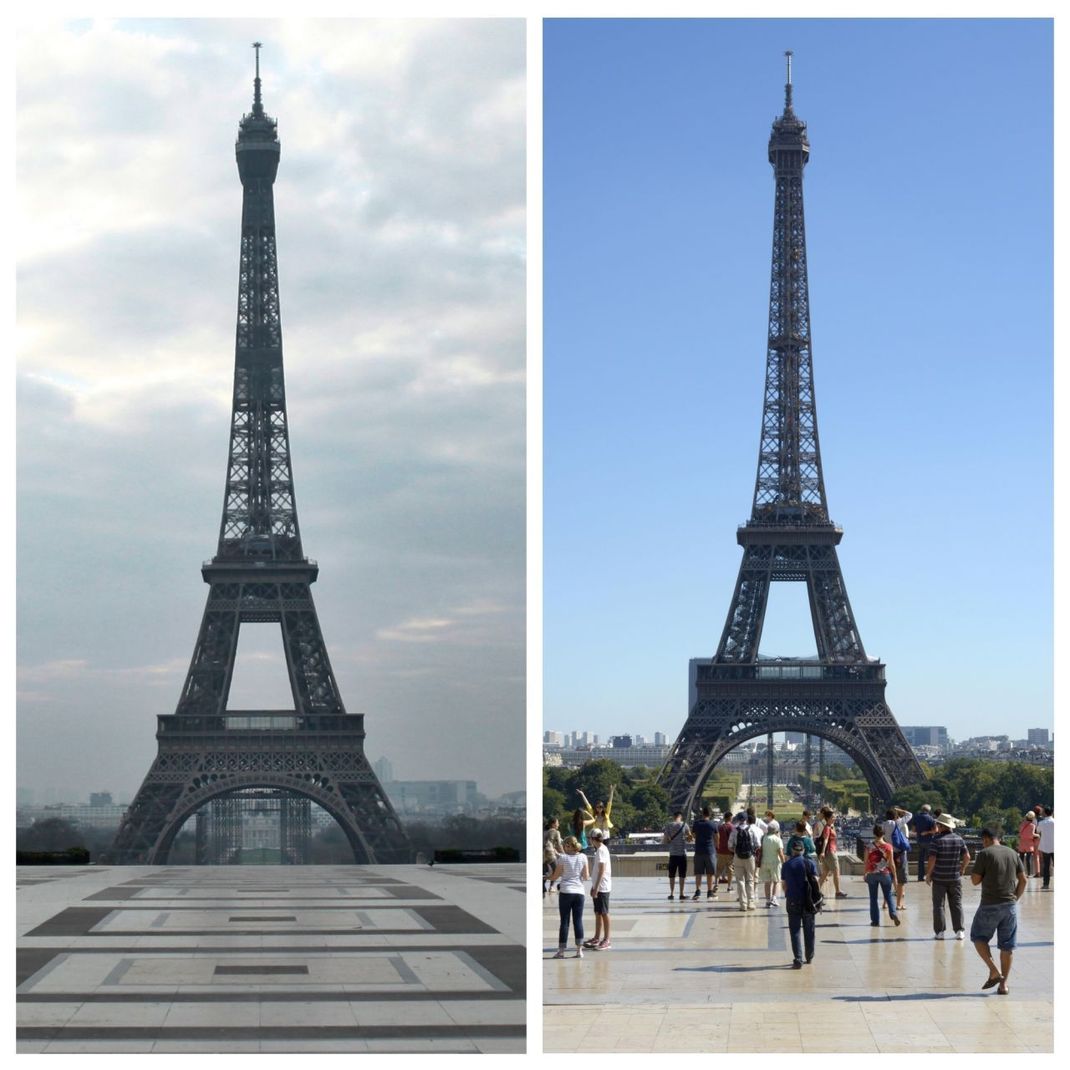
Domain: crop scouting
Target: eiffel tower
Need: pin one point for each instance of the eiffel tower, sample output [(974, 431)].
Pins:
[(314, 751), (839, 695)]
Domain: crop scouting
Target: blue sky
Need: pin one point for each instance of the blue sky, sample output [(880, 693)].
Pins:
[(929, 228)]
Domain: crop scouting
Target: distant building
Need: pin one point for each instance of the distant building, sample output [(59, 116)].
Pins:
[(926, 735), (1039, 736), (433, 797), (659, 739), (384, 769), (553, 739), (100, 798), (102, 817), (573, 757), (620, 742)]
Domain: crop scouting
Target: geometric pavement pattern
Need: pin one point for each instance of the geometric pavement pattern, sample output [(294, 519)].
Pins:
[(270, 959), (704, 976)]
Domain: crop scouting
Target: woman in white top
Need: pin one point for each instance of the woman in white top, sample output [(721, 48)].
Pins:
[(570, 873)]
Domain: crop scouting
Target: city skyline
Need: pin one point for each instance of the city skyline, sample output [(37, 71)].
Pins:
[(657, 286), (403, 311)]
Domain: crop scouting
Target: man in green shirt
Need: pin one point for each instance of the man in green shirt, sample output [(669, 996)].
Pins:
[(999, 872)]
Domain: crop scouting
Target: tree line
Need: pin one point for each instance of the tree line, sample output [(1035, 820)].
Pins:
[(975, 790)]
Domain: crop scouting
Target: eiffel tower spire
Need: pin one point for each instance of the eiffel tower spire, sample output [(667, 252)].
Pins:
[(839, 696)]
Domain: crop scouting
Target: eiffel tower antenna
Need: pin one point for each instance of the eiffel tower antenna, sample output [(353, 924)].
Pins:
[(838, 696)]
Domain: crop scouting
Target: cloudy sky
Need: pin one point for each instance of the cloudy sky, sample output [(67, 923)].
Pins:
[(400, 215)]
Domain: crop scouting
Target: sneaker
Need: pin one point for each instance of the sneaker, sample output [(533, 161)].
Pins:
[(560, 954), (796, 965), (696, 895), (591, 943), (774, 902), (605, 945), (579, 953), (841, 895), (960, 934), (809, 959), (752, 906), (672, 896), (711, 894), (682, 897), (742, 906), (896, 920), (938, 936)]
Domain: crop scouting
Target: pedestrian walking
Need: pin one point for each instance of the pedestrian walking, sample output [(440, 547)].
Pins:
[(745, 842), (897, 835), (999, 872), (676, 834), (601, 885), (798, 900), (704, 832), (924, 824), (948, 859), (1046, 834), (551, 848), (570, 873), (1028, 843), (772, 859), (881, 876), (825, 845), (802, 836), (807, 819)]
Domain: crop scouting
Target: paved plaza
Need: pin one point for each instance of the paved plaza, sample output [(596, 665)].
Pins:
[(270, 959), (689, 977)]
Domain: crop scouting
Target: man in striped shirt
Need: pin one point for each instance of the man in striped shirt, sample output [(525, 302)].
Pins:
[(948, 859)]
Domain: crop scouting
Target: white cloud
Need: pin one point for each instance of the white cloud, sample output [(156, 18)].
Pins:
[(400, 211)]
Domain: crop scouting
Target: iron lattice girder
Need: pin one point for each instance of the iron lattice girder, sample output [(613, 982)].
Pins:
[(259, 574), (852, 716), (187, 775), (840, 695)]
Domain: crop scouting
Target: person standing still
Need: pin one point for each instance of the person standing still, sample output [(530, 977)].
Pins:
[(925, 832), (601, 884), (704, 831), (1001, 875), (570, 873), (796, 875), (1027, 845), (724, 852), (948, 859), (676, 834), (551, 848), (1046, 834), (744, 842)]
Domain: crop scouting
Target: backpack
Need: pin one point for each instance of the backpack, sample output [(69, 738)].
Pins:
[(744, 843), (899, 841), (878, 860), (814, 900), (822, 841)]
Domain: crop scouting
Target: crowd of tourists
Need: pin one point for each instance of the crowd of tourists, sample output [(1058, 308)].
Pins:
[(801, 862)]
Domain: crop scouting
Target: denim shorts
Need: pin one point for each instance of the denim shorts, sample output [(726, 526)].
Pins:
[(996, 917)]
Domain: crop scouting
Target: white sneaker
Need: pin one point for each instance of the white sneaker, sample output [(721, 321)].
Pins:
[(938, 936), (579, 953), (560, 954), (960, 934)]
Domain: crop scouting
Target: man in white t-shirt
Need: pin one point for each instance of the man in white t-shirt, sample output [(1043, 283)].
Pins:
[(601, 883), (1046, 833)]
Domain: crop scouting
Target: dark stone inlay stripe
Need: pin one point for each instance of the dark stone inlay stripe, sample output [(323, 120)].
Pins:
[(451, 919), (264, 917), (244, 996), (508, 964), (295, 949), (74, 921), (28, 960), (264, 1032), (243, 970), (113, 893)]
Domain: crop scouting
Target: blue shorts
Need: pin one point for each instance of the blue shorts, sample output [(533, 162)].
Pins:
[(993, 918)]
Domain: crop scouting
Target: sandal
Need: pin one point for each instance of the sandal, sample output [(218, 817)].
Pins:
[(992, 982)]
